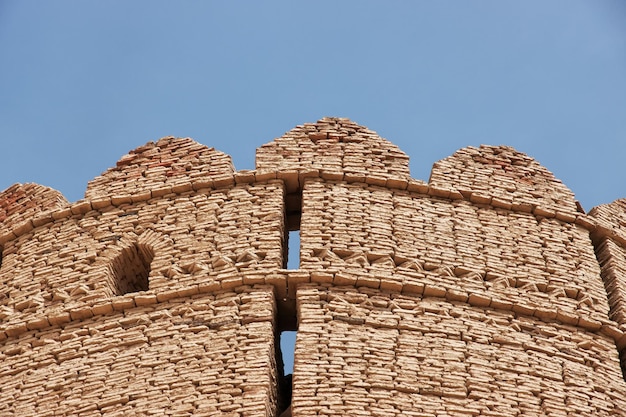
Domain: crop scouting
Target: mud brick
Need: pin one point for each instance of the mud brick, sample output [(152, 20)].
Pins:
[(485, 291)]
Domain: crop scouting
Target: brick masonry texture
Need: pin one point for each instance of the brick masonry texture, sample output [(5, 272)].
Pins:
[(485, 291)]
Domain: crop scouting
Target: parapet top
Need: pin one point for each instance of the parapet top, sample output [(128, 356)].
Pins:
[(504, 176), (611, 219), (168, 162), (334, 145), (21, 202)]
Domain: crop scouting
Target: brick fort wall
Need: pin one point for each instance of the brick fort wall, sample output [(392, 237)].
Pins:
[(486, 291)]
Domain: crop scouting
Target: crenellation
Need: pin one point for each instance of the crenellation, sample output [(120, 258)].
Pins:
[(485, 291), (20, 203), (170, 162), (334, 145), (502, 173)]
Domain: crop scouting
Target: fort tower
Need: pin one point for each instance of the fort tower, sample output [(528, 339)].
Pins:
[(486, 291)]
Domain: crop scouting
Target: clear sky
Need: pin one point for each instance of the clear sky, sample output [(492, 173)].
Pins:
[(84, 82)]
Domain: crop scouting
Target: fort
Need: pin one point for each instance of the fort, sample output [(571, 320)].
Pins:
[(486, 291)]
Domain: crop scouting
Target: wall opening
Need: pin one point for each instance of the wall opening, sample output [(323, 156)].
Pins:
[(130, 269), (293, 249), (287, 322), (291, 240), (285, 344), (288, 347)]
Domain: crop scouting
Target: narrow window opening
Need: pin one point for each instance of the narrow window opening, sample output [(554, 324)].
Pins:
[(293, 245), (293, 215), (130, 269), (286, 345), (287, 323)]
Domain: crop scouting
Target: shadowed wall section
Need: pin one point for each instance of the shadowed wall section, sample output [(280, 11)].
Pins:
[(610, 240)]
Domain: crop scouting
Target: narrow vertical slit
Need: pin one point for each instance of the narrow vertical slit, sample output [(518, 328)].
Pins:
[(287, 344), (291, 240), (288, 347), (287, 322), (293, 244), (286, 249)]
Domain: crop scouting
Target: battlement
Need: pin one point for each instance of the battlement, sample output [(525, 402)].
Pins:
[(174, 235)]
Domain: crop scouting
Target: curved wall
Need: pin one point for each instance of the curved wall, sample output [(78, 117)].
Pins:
[(486, 291)]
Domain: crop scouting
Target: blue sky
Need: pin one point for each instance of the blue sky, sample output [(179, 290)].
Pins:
[(84, 82)]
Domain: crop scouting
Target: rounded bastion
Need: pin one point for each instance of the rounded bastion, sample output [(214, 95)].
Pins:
[(486, 290)]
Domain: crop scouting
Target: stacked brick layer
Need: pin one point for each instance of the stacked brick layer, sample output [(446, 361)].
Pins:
[(513, 257), (371, 353), (20, 203), (477, 293), (610, 240), (505, 176), (168, 162), (203, 355), (334, 145), (209, 236)]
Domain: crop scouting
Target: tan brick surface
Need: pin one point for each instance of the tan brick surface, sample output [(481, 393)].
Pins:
[(168, 163), (486, 291), (334, 145), (501, 173), (368, 352), (202, 355)]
